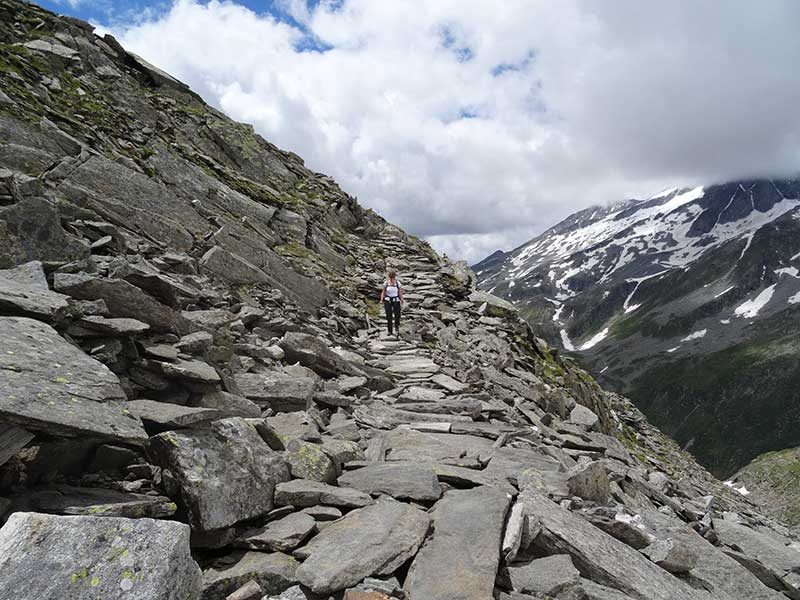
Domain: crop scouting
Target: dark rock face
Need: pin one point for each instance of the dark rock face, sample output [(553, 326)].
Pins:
[(188, 333)]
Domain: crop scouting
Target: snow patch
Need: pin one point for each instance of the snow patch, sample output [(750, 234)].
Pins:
[(725, 321), (695, 335), (596, 339), (791, 271), (742, 490), (795, 299), (566, 342), (751, 308), (723, 292), (671, 350)]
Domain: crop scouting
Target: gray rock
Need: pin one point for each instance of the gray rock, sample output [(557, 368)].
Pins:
[(226, 474), (98, 502), (163, 415), (581, 415), (24, 292), (515, 532), (590, 482), (50, 386), (301, 492), (589, 590), (102, 326), (308, 461), (228, 405), (312, 352), (599, 556), (195, 343), (543, 576), (406, 481), (231, 268), (341, 451), (460, 560), (75, 558), (273, 572), (123, 300), (32, 230), (671, 555), (322, 513), (469, 407), (283, 535), (492, 306), (191, 370), (374, 540), (279, 391)]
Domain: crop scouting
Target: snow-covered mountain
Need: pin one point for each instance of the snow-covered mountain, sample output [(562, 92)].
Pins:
[(689, 301)]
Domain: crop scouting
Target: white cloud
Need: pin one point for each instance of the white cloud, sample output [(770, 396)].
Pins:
[(478, 124)]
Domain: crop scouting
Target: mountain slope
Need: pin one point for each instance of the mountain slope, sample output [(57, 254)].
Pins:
[(197, 396), (688, 302)]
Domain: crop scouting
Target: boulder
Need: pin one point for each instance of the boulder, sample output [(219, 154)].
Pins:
[(374, 540), (273, 572), (590, 482), (460, 560), (312, 352), (81, 557), (281, 392), (545, 577), (301, 492), (226, 474), (123, 300), (283, 535), (162, 416), (98, 502), (24, 292), (405, 481), (599, 556), (228, 405), (52, 387), (31, 230), (308, 461), (671, 555)]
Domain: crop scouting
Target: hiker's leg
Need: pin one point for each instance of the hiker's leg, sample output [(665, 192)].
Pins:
[(396, 315), (387, 306)]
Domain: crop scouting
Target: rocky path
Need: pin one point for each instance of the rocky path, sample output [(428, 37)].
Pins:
[(198, 399)]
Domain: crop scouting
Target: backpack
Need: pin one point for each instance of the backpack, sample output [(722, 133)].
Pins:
[(392, 291)]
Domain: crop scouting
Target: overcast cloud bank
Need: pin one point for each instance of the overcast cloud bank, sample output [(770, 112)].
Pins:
[(478, 124)]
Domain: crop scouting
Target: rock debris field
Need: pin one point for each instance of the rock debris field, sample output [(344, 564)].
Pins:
[(198, 399)]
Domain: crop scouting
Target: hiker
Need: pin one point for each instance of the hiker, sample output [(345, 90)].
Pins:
[(392, 298)]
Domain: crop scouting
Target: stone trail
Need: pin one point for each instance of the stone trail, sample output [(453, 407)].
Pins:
[(199, 400)]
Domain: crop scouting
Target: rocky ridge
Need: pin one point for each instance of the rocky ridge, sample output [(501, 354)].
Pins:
[(197, 398)]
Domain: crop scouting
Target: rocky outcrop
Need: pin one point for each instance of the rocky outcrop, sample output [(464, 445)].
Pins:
[(194, 370)]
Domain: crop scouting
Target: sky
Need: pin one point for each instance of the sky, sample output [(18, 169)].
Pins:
[(478, 124)]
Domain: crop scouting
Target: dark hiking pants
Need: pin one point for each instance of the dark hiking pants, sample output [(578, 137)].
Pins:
[(392, 309)]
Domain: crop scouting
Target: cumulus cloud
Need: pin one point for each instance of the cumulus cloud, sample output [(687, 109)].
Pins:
[(479, 124)]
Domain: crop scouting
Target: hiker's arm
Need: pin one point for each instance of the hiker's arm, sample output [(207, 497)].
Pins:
[(383, 293), (400, 292)]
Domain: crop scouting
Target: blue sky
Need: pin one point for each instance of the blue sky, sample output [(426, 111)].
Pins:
[(477, 124)]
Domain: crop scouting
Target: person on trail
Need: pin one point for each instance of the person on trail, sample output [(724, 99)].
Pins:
[(392, 299)]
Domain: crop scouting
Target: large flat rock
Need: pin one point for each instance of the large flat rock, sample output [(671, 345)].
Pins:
[(78, 558), (460, 559), (50, 386), (599, 556), (226, 474), (281, 392), (302, 492), (406, 481), (123, 300), (24, 292), (374, 540)]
